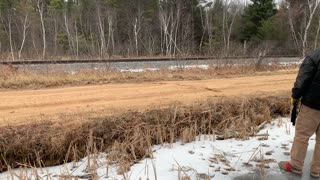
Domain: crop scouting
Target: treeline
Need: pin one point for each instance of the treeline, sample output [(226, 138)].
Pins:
[(78, 29)]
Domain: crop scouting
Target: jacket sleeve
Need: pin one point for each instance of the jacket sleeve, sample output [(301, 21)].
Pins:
[(304, 78)]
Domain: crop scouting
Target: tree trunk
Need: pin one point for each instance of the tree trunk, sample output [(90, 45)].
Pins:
[(317, 35), (293, 32), (25, 27), (102, 36), (224, 24), (55, 36), (305, 36), (136, 33), (110, 33), (9, 32), (70, 39), (40, 10), (77, 39), (230, 30)]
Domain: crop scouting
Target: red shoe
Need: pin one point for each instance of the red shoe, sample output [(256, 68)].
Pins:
[(286, 166)]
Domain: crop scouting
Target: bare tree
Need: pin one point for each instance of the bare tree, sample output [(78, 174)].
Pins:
[(167, 27), (101, 33), (40, 9), (6, 19), (10, 36), (230, 11), (313, 6), (169, 22), (77, 39), (293, 31), (225, 24), (67, 29), (136, 30), (26, 24), (204, 27), (110, 34), (317, 35), (164, 22)]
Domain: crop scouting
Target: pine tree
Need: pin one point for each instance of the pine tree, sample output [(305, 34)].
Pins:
[(255, 14)]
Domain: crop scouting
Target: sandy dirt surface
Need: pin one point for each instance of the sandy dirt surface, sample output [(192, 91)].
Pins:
[(19, 106)]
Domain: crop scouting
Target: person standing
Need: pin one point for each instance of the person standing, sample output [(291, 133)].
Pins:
[(307, 90)]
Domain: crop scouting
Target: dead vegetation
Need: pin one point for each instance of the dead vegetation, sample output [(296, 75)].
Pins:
[(10, 78), (128, 138)]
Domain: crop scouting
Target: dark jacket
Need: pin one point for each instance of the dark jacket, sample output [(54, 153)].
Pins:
[(307, 85)]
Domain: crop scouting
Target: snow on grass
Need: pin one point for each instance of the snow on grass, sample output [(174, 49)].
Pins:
[(189, 67), (204, 67), (170, 68), (139, 70), (201, 159)]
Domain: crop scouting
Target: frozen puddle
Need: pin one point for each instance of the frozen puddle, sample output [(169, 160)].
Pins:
[(205, 158)]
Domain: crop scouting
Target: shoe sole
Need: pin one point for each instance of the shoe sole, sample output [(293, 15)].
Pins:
[(296, 172)]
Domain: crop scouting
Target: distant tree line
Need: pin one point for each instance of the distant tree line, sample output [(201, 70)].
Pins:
[(78, 29)]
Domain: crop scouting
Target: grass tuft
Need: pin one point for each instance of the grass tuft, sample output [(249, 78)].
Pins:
[(128, 138)]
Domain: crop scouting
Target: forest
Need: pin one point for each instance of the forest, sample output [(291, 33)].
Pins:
[(102, 29)]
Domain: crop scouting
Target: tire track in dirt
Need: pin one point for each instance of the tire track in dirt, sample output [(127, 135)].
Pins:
[(18, 105)]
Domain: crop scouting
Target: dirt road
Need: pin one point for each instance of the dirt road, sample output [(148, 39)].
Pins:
[(18, 105)]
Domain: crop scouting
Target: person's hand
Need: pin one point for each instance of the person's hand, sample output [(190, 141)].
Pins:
[(294, 101)]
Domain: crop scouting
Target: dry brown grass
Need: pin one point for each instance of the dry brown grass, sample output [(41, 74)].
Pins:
[(128, 137), (11, 79)]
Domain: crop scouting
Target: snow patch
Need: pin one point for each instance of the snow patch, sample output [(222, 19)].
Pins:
[(189, 67), (139, 70)]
